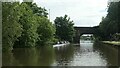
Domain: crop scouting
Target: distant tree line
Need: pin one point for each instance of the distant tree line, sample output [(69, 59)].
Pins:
[(109, 27), (27, 25)]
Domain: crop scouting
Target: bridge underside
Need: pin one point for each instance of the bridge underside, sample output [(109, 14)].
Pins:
[(82, 30), (77, 38)]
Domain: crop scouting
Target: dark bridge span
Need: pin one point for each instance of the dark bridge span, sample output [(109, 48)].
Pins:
[(82, 30)]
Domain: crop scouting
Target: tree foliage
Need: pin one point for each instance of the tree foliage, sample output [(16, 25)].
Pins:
[(45, 30), (11, 28), (37, 10), (25, 25), (64, 28), (110, 24), (29, 23)]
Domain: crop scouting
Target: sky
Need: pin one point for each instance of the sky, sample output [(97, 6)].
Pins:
[(86, 13)]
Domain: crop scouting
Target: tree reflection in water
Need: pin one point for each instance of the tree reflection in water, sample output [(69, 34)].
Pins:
[(64, 55), (43, 56), (109, 52)]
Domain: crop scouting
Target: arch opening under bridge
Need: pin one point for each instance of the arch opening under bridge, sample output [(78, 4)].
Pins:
[(79, 31)]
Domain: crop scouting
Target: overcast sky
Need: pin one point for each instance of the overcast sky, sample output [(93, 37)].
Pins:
[(82, 12)]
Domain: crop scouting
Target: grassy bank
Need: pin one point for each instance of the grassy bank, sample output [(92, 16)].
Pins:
[(112, 42)]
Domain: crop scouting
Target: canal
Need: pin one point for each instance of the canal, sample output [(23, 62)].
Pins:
[(88, 53)]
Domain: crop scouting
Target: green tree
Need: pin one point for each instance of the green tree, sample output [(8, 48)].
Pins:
[(113, 15), (64, 28), (45, 31), (11, 28), (24, 25), (110, 24), (37, 10), (29, 22)]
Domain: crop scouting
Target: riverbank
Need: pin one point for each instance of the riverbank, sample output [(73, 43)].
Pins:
[(117, 43)]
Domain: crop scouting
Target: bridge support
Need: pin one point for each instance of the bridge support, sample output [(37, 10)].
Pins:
[(76, 40)]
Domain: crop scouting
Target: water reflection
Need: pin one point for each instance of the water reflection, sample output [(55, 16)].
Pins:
[(64, 55), (87, 54), (43, 56), (108, 52), (8, 59)]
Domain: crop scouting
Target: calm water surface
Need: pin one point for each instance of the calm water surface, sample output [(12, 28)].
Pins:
[(86, 54)]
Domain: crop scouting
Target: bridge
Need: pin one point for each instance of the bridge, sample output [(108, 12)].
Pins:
[(79, 31)]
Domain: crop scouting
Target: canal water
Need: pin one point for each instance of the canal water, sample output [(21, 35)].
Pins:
[(88, 53)]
